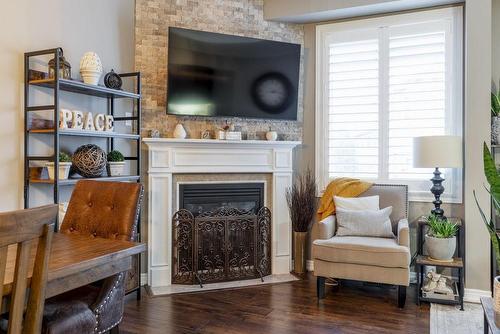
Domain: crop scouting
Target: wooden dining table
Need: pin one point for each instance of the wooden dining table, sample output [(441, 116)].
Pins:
[(76, 261)]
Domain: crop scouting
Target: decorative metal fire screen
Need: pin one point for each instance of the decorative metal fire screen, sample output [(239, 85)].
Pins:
[(221, 245)]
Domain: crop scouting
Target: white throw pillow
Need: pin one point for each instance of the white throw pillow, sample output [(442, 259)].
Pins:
[(357, 203), (367, 223)]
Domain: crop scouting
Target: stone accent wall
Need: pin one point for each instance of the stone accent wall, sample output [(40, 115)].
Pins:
[(236, 17)]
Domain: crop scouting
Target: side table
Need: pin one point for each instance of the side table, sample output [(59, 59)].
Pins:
[(421, 261)]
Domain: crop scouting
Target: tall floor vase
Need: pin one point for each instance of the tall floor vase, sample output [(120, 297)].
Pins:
[(299, 253), (496, 299)]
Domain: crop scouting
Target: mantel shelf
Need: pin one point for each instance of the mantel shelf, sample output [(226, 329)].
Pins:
[(86, 89), (218, 142)]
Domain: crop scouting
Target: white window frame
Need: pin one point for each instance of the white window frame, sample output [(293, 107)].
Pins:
[(454, 99)]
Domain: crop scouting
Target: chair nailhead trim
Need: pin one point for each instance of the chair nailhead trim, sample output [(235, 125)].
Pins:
[(103, 304)]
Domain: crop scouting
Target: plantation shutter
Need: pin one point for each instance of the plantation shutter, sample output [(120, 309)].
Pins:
[(354, 109)]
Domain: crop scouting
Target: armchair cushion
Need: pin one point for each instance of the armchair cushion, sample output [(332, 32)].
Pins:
[(326, 227), (381, 252), (368, 223), (404, 233)]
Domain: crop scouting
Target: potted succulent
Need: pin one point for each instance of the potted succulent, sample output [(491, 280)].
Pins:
[(116, 163), (301, 200), (495, 118), (64, 166), (441, 240)]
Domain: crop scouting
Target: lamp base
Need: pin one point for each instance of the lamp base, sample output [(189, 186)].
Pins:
[(437, 190)]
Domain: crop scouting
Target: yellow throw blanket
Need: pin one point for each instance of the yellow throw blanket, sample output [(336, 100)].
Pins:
[(344, 187)]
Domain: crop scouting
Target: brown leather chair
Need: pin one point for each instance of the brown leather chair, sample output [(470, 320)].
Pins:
[(105, 210)]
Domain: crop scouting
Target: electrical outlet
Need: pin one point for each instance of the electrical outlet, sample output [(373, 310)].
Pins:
[(128, 123)]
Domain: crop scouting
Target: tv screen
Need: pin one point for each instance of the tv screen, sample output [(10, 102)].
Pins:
[(211, 74)]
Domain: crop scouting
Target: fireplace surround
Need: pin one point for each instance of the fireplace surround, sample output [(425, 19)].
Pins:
[(171, 158)]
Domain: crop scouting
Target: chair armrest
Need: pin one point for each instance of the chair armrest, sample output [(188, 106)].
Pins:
[(326, 227), (404, 233)]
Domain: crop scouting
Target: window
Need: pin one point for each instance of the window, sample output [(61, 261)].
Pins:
[(381, 82)]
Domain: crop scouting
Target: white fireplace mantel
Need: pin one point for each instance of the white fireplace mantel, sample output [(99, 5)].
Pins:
[(198, 156)]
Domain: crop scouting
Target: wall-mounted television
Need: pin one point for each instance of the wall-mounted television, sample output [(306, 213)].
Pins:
[(218, 75)]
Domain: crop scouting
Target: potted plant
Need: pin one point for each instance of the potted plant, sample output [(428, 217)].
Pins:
[(441, 240), (64, 166), (301, 200), (495, 118), (493, 179), (116, 163)]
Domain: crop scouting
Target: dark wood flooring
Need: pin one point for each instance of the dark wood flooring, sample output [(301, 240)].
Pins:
[(280, 308)]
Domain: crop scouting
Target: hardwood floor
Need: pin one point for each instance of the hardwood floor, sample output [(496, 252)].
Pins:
[(280, 308)]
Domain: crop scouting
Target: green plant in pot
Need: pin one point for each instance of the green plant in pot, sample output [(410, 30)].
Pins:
[(493, 178), (116, 163), (440, 240), (64, 166), (301, 200)]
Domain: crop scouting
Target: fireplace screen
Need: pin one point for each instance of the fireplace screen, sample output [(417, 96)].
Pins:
[(221, 245)]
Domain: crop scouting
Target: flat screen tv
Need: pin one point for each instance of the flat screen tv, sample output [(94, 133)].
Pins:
[(211, 74)]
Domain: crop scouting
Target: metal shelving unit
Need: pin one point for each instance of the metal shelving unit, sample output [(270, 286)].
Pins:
[(57, 86)]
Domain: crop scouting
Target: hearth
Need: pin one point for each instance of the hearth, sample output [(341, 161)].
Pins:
[(222, 232)]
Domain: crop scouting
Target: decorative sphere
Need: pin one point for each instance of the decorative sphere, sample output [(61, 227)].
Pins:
[(89, 161)]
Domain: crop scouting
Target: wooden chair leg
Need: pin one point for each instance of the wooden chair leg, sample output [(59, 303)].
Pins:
[(114, 330), (320, 287), (401, 296)]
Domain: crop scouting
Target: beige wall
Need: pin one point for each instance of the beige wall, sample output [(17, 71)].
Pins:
[(477, 129), (106, 27)]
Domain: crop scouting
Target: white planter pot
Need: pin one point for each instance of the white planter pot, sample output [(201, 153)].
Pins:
[(441, 249), (116, 168), (91, 77), (63, 170), (90, 68)]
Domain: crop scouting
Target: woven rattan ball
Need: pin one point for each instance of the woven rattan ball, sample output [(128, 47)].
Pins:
[(89, 160)]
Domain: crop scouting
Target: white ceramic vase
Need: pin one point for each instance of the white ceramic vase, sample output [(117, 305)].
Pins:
[(91, 68), (116, 168), (179, 132), (64, 168), (271, 135), (496, 299)]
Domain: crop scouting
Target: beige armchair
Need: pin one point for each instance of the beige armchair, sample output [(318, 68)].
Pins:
[(369, 259)]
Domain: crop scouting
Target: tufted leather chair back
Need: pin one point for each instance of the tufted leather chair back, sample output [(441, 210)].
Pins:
[(103, 209)]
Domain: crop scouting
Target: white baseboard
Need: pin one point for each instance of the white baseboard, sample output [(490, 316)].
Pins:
[(309, 265), (473, 295), (144, 279)]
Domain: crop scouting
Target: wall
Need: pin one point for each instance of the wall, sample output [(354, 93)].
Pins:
[(476, 124), (244, 18), (106, 27)]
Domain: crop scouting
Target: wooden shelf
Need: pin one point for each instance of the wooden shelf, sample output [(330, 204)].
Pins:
[(426, 261), (86, 89), (103, 134), (72, 181)]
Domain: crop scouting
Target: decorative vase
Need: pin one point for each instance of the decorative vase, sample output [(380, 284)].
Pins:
[(116, 168), (179, 131), (496, 299), (299, 252), (91, 68), (440, 249), (64, 168), (495, 130), (271, 135)]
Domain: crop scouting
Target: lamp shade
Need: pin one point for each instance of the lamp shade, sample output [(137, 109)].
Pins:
[(437, 151)]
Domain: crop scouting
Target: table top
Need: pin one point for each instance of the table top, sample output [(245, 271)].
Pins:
[(489, 313), (73, 254)]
